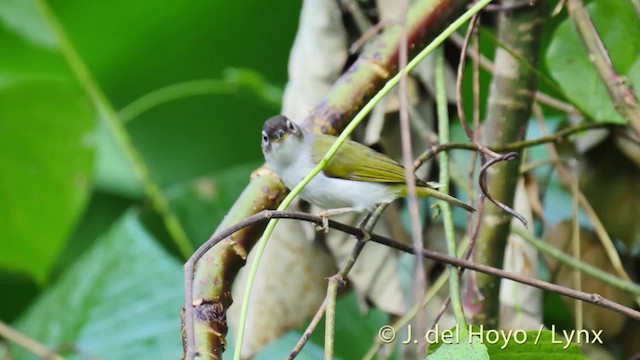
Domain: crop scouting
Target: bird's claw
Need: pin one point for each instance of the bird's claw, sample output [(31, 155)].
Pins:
[(325, 225)]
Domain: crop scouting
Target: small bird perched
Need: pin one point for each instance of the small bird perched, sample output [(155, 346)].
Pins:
[(357, 178)]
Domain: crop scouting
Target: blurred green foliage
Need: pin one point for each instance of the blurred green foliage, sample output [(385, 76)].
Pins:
[(571, 67), (83, 257), (65, 180)]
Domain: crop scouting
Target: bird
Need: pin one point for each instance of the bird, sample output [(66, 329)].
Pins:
[(356, 179)]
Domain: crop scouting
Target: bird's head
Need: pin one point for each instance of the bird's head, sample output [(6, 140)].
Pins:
[(278, 131)]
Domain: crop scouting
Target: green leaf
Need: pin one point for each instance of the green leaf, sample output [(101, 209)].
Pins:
[(46, 157), (201, 204), (46, 145), (569, 63), (115, 172), (462, 347), (537, 344), (21, 17), (503, 344), (121, 300), (134, 48)]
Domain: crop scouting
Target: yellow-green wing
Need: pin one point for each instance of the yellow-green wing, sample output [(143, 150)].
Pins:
[(358, 162)]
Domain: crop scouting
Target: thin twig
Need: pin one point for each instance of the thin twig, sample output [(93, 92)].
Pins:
[(485, 189), (509, 7), (370, 33), (27, 343), (330, 325), (476, 124), (367, 224), (568, 178), (514, 146), (406, 318), (473, 239), (596, 273), (447, 216), (475, 229), (623, 97), (459, 82), (308, 331), (420, 280), (446, 259), (486, 152), (575, 242), (539, 96)]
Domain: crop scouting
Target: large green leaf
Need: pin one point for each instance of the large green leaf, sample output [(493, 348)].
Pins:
[(134, 48), (121, 300), (22, 18), (569, 64), (482, 343), (46, 157), (521, 345), (46, 153), (464, 347), (201, 204)]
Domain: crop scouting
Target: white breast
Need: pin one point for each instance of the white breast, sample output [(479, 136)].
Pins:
[(293, 163)]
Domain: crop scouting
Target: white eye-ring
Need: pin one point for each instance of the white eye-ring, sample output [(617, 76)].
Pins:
[(265, 138)]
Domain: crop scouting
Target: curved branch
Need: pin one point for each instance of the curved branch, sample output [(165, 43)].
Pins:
[(482, 181), (266, 215)]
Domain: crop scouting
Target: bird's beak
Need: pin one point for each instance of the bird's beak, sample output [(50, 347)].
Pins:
[(281, 135)]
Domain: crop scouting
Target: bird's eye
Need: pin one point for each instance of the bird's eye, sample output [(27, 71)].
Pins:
[(291, 126), (265, 138)]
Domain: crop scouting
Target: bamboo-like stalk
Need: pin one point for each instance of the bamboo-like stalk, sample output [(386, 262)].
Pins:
[(507, 118)]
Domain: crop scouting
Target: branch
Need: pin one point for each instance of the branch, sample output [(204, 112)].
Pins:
[(541, 97), (622, 96), (266, 215), (27, 343), (514, 146)]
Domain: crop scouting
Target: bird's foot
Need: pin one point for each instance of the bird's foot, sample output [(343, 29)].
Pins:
[(325, 217), (325, 224)]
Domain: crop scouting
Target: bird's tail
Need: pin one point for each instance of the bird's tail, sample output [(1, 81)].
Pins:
[(424, 191)]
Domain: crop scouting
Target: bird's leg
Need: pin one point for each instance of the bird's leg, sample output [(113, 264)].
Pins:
[(325, 217), (325, 224)]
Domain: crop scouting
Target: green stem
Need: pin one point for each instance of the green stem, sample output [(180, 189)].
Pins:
[(433, 290), (175, 92), (332, 151), (575, 263), (447, 216), (229, 85), (514, 146), (330, 319), (111, 119)]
